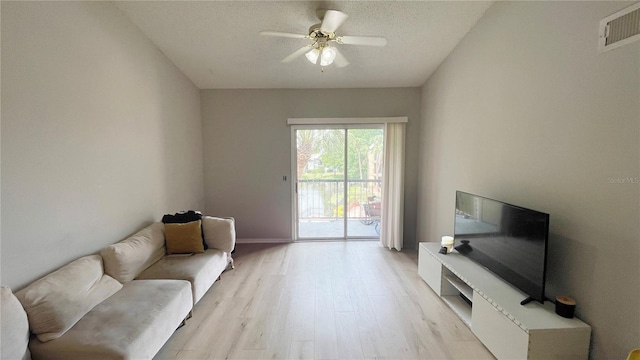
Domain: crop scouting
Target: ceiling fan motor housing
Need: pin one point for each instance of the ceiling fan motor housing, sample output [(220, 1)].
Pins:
[(316, 33)]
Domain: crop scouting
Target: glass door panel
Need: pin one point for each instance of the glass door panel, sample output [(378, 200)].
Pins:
[(364, 182), (320, 183)]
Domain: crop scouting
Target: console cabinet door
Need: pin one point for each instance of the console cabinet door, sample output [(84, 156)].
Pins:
[(430, 270), (501, 336)]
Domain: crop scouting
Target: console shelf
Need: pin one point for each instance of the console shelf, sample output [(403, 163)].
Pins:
[(460, 307), (460, 285), (494, 314)]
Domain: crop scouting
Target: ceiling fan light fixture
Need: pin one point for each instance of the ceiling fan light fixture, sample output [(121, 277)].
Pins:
[(313, 55), (327, 56)]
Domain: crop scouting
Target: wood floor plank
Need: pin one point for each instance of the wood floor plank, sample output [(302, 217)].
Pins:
[(392, 327), (341, 295), (424, 335), (303, 321), (260, 323), (322, 300), (349, 344), (370, 333), (281, 331), (228, 346), (325, 333), (302, 350)]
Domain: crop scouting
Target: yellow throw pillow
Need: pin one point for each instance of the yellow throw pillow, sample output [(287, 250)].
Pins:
[(183, 238)]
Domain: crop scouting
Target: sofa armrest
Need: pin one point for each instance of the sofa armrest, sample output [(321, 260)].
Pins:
[(15, 327), (219, 233)]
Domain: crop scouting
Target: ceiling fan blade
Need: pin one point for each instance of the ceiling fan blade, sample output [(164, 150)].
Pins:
[(340, 60), (283, 34), (362, 40), (332, 21), (294, 55)]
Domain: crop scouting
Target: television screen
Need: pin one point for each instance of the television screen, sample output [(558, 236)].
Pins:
[(508, 240)]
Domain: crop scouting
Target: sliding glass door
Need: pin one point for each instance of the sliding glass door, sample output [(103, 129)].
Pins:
[(338, 181)]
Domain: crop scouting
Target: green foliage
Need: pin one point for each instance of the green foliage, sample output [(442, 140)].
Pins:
[(364, 153)]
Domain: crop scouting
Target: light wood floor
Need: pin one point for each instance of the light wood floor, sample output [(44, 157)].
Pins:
[(322, 300)]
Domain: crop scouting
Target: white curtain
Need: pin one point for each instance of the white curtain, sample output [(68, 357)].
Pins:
[(393, 187)]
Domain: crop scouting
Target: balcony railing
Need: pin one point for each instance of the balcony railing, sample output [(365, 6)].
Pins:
[(324, 199)]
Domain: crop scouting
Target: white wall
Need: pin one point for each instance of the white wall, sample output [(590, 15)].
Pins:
[(100, 134), (525, 110), (0, 152), (247, 149)]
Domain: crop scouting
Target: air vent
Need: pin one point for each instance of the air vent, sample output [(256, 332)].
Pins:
[(620, 28)]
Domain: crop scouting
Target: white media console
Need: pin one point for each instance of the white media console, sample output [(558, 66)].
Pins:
[(491, 308)]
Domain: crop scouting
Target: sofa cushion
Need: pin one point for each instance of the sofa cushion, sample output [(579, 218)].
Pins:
[(132, 324), (201, 270), (184, 217), (15, 327), (57, 301), (128, 258), (219, 233), (182, 238)]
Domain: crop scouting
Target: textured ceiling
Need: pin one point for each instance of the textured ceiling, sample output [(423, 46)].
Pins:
[(218, 46)]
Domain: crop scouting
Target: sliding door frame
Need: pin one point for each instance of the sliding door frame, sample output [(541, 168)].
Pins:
[(295, 235)]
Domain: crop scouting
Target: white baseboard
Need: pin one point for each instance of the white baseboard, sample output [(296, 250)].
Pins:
[(262, 241)]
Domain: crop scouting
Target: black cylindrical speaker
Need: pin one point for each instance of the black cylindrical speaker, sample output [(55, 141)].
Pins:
[(565, 306)]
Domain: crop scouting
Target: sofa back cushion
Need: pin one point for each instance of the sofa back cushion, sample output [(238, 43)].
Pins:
[(219, 233), (125, 260), (57, 301), (15, 327)]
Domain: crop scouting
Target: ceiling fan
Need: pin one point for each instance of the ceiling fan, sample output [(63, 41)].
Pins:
[(323, 50)]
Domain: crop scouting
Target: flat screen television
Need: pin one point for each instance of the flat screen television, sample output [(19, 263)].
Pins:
[(508, 240)]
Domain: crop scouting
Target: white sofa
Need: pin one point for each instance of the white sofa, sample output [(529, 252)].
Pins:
[(122, 304)]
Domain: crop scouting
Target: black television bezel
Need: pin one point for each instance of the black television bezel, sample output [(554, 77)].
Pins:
[(457, 242)]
